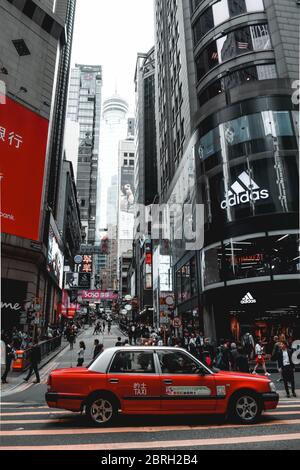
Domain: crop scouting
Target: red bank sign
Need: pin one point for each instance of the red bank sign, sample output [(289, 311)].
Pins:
[(23, 142)]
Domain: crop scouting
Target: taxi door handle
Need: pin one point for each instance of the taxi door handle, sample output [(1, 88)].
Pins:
[(114, 381), (168, 382)]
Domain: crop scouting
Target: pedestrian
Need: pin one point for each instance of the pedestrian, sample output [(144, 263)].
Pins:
[(286, 367), (80, 354), (260, 358), (71, 338), (103, 324), (223, 356), (109, 327), (248, 345), (34, 360), (97, 329), (242, 362), (207, 354), (119, 342), (99, 348), (192, 346), (10, 355), (233, 356)]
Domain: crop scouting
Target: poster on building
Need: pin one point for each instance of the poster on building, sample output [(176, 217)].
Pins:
[(71, 281), (55, 263), (126, 204), (23, 143)]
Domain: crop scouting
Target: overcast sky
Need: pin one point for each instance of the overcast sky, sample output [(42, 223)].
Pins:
[(111, 33)]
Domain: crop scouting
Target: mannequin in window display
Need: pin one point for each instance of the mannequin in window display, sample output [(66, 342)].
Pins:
[(235, 329), (248, 345)]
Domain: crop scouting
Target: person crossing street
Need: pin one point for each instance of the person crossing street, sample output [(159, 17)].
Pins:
[(35, 359)]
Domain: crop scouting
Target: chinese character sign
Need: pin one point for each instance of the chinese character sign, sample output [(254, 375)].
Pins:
[(87, 264), (23, 143)]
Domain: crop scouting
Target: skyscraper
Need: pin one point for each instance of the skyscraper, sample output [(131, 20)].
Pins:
[(36, 43), (226, 71), (85, 108), (113, 129)]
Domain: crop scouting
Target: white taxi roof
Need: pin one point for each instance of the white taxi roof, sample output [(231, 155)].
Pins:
[(102, 362)]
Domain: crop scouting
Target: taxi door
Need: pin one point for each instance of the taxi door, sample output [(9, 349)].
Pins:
[(183, 388), (133, 378)]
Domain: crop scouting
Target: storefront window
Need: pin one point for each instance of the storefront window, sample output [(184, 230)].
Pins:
[(246, 258), (212, 259), (285, 254)]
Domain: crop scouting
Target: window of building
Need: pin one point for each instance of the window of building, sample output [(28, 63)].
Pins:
[(211, 265), (285, 253), (222, 11)]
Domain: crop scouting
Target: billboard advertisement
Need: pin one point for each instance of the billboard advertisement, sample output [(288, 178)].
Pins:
[(23, 143), (78, 280), (55, 263), (126, 204)]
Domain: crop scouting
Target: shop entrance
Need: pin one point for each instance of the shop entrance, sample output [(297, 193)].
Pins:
[(264, 325)]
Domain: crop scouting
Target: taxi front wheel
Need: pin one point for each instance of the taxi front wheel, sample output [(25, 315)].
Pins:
[(101, 410), (246, 408)]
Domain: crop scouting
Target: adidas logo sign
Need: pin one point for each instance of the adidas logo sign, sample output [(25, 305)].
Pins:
[(248, 299), (243, 191)]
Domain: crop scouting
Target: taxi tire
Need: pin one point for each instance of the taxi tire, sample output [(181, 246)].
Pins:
[(109, 399), (233, 414)]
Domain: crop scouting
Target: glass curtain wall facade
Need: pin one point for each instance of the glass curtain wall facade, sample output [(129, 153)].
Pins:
[(246, 171)]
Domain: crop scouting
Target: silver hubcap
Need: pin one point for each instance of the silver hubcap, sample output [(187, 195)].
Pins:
[(101, 411), (247, 408)]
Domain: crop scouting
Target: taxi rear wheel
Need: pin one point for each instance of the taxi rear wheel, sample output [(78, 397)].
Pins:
[(101, 410), (246, 408)]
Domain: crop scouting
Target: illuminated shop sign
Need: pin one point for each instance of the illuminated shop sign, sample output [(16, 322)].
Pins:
[(243, 191), (248, 299)]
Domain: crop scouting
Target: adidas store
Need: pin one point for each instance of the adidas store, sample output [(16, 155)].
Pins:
[(248, 179), (261, 309)]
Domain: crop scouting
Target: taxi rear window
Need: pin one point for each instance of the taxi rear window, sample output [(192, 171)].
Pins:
[(137, 362)]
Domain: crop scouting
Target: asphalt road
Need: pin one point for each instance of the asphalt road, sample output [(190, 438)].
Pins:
[(27, 423)]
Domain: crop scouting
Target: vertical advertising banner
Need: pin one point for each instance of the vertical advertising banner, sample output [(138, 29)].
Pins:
[(23, 143), (126, 204)]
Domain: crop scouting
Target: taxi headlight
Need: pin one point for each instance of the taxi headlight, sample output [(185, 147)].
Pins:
[(272, 387)]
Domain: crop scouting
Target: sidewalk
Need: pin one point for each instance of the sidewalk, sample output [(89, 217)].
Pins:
[(15, 378), (65, 358)]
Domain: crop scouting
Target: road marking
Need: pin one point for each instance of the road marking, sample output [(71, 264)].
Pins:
[(288, 406), (165, 444), (282, 413), (150, 429)]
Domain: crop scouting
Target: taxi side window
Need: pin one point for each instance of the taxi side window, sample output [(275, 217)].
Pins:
[(177, 363), (133, 363)]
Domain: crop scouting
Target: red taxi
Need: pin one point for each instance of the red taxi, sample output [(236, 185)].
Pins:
[(158, 380)]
